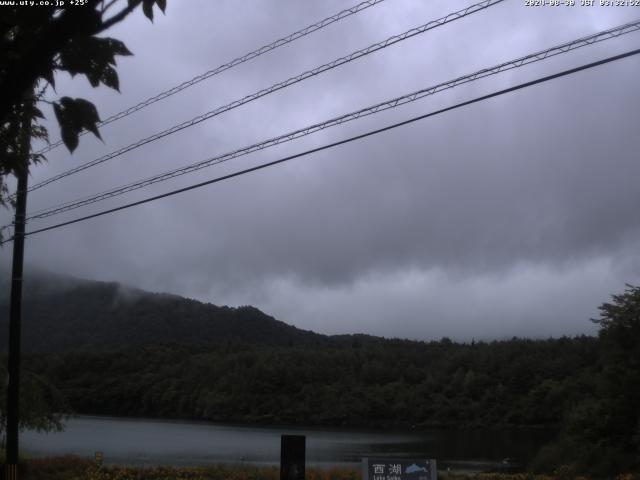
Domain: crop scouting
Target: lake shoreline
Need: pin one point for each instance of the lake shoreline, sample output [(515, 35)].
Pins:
[(145, 442), (384, 428)]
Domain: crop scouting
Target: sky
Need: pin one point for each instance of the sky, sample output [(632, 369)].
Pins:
[(516, 216)]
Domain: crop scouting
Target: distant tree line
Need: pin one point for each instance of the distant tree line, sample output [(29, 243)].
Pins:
[(364, 383)]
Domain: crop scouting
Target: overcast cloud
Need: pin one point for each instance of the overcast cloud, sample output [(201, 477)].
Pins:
[(515, 216)]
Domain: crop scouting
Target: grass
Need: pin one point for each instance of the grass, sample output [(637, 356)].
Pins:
[(76, 468)]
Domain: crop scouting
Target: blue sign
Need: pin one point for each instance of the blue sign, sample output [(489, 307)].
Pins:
[(398, 469)]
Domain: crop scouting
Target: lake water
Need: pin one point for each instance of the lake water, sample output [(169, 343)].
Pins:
[(156, 442)]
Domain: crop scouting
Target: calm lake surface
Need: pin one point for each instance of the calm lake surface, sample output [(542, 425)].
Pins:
[(180, 443)]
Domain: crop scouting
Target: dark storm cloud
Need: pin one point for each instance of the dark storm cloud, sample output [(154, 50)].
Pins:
[(529, 196)]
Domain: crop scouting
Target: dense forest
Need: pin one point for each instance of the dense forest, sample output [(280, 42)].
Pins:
[(365, 383), (178, 358)]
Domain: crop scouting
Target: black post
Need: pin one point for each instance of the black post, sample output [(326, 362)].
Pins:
[(292, 457), (15, 316)]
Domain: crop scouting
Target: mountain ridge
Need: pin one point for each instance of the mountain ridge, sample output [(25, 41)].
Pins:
[(67, 313)]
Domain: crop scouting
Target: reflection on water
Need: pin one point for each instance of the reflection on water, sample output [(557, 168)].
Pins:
[(154, 442)]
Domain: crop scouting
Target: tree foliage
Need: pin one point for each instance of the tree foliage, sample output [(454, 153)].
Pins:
[(602, 432), (37, 43), (616, 422), (42, 405)]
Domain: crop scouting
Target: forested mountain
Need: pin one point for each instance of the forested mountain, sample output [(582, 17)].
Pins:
[(116, 350), (62, 313), (100, 348)]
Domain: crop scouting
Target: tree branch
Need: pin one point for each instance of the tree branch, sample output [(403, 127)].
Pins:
[(108, 6), (118, 17)]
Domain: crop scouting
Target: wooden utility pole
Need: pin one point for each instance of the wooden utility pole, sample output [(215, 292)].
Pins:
[(15, 314)]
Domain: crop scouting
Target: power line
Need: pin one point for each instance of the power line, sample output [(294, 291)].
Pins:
[(341, 142), (236, 61), (379, 107), (278, 86)]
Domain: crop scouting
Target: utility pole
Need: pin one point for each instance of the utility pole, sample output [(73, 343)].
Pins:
[(15, 314)]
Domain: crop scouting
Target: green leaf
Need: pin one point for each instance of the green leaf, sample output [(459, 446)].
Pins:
[(37, 158), (147, 8), (37, 113), (118, 47), (73, 116), (110, 78), (162, 4), (85, 114), (48, 76), (57, 109), (94, 58), (69, 137), (68, 129), (93, 77)]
